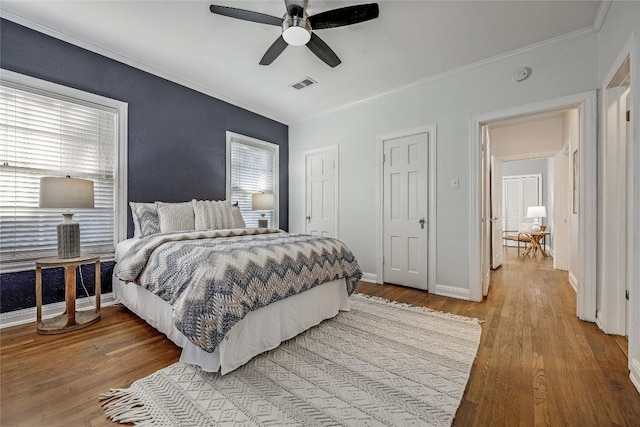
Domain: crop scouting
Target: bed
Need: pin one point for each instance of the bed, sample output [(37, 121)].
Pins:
[(259, 327)]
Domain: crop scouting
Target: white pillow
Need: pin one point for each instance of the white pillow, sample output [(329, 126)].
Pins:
[(176, 216), (212, 215), (238, 220)]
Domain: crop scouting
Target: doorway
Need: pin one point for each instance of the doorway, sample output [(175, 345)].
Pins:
[(321, 191), (614, 315), (405, 163), (406, 213), (528, 190), (584, 104)]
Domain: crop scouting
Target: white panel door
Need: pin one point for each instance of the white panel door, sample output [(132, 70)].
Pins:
[(321, 194), (405, 210), (497, 249)]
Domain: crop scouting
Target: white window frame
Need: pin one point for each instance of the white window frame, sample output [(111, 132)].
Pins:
[(120, 108), (254, 141)]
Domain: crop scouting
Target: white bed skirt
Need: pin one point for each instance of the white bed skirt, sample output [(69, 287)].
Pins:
[(260, 330)]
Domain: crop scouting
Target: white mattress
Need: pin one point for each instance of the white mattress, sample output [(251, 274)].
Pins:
[(259, 331)]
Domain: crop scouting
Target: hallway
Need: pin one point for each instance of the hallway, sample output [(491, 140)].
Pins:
[(537, 363)]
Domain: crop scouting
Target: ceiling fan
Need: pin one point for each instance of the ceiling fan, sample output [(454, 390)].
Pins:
[(298, 28)]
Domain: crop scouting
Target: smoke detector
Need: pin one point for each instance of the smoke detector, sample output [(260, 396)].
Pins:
[(521, 74)]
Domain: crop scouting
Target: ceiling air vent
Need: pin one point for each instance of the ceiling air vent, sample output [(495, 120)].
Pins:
[(304, 83)]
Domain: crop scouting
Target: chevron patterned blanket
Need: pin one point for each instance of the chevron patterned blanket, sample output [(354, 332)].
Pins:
[(214, 278)]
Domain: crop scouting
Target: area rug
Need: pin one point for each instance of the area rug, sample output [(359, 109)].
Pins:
[(380, 364)]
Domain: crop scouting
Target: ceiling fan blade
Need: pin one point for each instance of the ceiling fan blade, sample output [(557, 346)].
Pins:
[(323, 51), (246, 15), (344, 16), (274, 51)]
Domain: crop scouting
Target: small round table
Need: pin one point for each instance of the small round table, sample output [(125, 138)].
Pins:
[(71, 319)]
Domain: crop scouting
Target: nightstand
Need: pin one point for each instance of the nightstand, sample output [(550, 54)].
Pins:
[(71, 319)]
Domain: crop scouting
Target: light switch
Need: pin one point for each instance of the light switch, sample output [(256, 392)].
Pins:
[(455, 183)]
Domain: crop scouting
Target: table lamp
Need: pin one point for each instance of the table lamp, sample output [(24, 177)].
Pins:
[(536, 212), (262, 202), (67, 193)]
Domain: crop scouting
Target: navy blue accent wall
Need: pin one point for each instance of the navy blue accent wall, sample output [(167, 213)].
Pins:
[(19, 289), (177, 136)]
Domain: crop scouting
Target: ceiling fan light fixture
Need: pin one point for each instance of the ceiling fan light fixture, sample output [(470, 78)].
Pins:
[(296, 30)]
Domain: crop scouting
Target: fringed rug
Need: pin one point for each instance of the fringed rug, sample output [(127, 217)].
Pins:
[(380, 364)]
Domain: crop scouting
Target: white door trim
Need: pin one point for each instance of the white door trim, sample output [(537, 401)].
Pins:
[(528, 156), (611, 315), (431, 220), (336, 179), (587, 226), (561, 210), (632, 211)]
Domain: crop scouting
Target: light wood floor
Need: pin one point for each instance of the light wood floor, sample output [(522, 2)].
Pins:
[(537, 363)]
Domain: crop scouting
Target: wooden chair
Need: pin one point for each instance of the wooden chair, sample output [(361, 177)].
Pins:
[(520, 236)]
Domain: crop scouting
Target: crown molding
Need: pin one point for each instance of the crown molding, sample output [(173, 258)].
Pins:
[(569, 36), (602, 11), (132, 62), (601, 15)]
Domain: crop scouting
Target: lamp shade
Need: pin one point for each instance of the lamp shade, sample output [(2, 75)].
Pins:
[(536, 212), (262, 202), (66, 193)]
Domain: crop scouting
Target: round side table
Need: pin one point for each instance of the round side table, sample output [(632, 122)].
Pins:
[(71, 319)]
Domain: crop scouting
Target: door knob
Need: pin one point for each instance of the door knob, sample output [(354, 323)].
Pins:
[(308, 219), (422, 221)]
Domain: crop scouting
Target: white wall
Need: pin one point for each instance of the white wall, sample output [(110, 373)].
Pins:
[(561, 68), (540, 136)]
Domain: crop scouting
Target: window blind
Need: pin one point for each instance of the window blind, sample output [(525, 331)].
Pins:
[(253, 170), (519, 192), (42, 135)]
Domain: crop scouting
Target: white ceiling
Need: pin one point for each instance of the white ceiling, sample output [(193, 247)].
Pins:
[(410, 41)]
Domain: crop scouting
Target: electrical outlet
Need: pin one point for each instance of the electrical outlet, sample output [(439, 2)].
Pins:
[(455, 183)]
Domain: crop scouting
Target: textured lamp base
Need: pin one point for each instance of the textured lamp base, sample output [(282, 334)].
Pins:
[(536, 226), (263, 222), (68, 237)]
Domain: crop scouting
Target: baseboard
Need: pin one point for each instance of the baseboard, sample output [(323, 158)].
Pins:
[(453, 292), (573, 282), (599, 322), (635, 373), (369, 277), (28, 315)]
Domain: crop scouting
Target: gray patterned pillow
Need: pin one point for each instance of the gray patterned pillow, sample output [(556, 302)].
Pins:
[(175, 216), (212, 215), (145, 219)]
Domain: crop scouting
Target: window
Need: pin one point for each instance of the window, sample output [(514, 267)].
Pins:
[(252, 167), (50, 130), (518, 193)]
